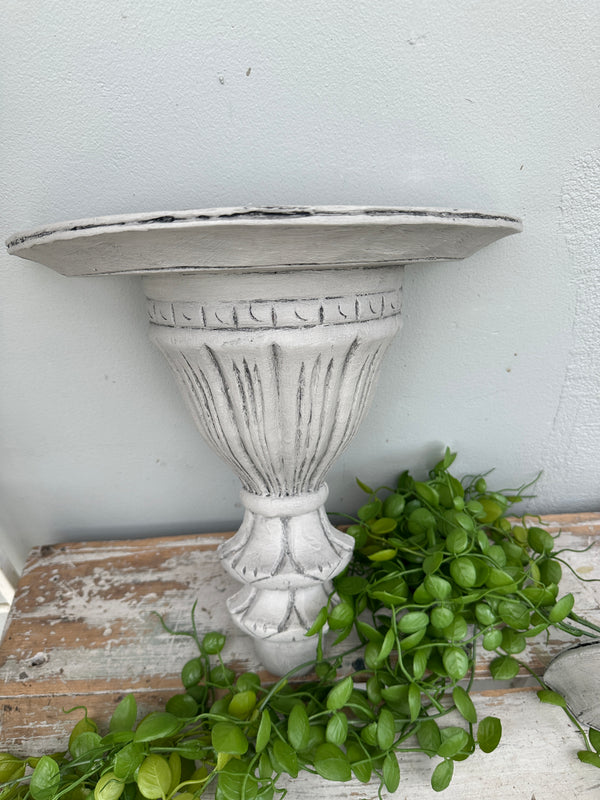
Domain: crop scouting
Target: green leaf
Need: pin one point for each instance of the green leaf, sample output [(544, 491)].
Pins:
[(589, 758), (284, 758), (318, 623), (82, 726), (153, 778), (236, 782), (127, 760), (393, 506), (438, 588), (340, 694), (539, 540), (192, 672), (331, 763), (553, 698), (594, 737), (442, 775), (383, 525), (182, 705), (457, 541), (427, 493), (228, 738), (386, 729), (364, 487), (369, 510), (420, 521), (492, 639), (414, 701), (341, 616), (489, 734), (264, 731), (387, 645), (463, 572), (456, 662), (441, 617), (433, 562), (360, 762), (11, 768), (514, 613), (369, 632), (213, 642), (464, 704), (337, 728), (222, 676), (454, 740), (562, 609), (413, 621), (157, 725), (512, 641), (298, 728), (391, 772), (242, 704), (84, 743), (420, 660), (124, 715), (504, 668), (350, 584), (109, 787), (45, 779)]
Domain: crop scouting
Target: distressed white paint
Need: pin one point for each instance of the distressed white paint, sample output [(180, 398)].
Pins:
[(106, 594), (275, 322), (109, 107)]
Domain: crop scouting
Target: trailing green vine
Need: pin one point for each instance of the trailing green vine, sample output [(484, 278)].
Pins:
[(438, 572)]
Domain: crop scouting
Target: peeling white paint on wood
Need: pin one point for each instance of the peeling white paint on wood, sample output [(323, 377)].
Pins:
[(92, 638)]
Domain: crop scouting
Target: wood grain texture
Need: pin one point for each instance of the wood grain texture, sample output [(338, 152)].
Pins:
[(82, 630)]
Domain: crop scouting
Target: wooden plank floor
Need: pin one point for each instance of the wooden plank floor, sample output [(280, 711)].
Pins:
[(81, 630)]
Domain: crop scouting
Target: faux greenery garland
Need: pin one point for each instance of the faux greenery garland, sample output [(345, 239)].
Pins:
[(438, 570)]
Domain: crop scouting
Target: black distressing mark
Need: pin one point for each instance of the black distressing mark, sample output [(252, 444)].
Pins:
[(356, 309), (235, 317), (283, 553), (263, 213), (222, 321), (371, 307), (382, 305), (241, 443), (320, 437), (345, 364), (276, 360), (166, 319), (240, 551), (203, 316), (242, 395), (345, 316), (256, 319), (288, 612), (185, 316), (321, 314), (275, 459), (256, 430), (304, 319), (215, 433), (299, 404), (274, 316)]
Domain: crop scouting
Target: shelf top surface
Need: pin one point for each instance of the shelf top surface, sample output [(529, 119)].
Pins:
[(262, 238)]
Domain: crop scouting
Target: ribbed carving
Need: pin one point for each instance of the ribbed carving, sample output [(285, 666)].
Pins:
[(279, 417)]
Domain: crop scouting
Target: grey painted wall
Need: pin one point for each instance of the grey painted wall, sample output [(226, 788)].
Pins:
[(113, 107)]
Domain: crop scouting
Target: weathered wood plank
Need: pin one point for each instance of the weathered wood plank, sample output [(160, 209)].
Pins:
[(81, 631)]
